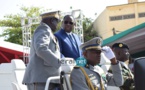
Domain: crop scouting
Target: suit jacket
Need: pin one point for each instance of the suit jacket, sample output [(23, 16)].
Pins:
[(95, 74), (66, 46), (44, 56)]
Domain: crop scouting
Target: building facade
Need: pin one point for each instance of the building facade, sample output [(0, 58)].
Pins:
[(115, 19)]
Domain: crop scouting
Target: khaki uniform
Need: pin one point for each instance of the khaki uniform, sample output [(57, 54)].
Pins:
[(44, 59), (97, 77)]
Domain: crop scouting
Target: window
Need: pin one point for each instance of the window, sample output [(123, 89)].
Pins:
[(142, 14), (121, 17), (115, 18), (129, 16)]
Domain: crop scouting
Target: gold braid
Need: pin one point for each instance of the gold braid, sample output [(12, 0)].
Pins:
[(101, 83), (89, 83)]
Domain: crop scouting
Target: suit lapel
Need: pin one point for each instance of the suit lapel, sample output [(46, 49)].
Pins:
[(76, 42), (54, 39), (70, 42), (49, 30), (57, 45), (65, 35)]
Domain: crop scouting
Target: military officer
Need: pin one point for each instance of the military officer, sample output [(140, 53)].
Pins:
[(91, 76), (44, 54), (121, 51)]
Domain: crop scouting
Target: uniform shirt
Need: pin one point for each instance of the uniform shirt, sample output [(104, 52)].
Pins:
[(44, 56), (128, 78), (96, 74)]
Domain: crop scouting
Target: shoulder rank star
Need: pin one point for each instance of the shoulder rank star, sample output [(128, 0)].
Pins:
[(120, 45)]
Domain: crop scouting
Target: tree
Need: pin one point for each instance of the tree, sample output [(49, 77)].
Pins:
[(12, 23), (89, 32), (13, 31)]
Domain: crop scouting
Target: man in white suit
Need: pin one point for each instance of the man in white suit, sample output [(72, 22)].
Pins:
[(44, 54)]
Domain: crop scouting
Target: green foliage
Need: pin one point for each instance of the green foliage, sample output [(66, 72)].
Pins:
[(13, 31), (31, 12), (89, 32), (12, 23)]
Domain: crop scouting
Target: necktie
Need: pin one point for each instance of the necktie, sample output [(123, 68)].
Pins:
[(71, 38), (73, 41)]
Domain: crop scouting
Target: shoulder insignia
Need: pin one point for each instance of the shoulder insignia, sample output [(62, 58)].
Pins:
[(76, 67)]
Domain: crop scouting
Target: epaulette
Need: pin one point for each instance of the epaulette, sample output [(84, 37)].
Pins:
[(76, 67)]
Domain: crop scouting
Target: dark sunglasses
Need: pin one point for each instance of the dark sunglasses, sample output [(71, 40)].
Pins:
[(67, 22)]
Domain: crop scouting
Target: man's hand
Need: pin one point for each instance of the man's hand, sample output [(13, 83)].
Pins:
[(109, 54)]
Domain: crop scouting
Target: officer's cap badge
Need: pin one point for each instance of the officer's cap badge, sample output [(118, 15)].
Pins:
[(98, 41), (120, 45)]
